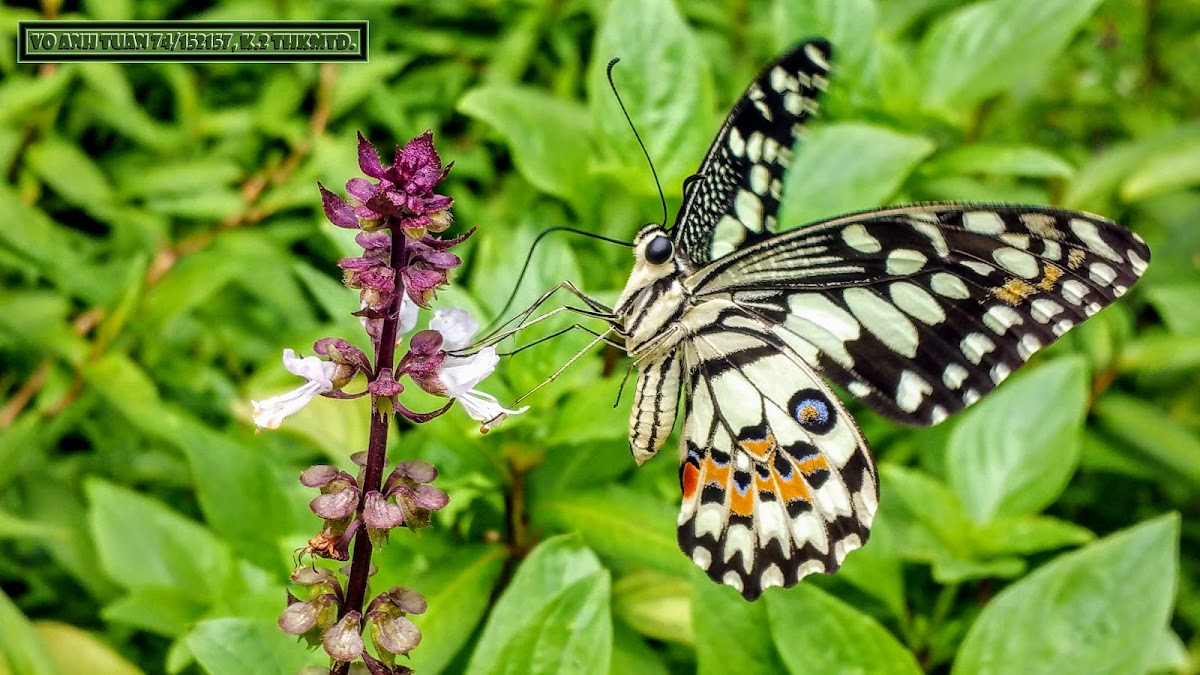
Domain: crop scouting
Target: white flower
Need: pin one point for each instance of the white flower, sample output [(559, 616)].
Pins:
[(460, 374), (408, 315), (269, 414)]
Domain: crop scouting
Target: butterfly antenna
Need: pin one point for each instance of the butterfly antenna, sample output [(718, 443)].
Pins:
[(661, 197), (529, 259)]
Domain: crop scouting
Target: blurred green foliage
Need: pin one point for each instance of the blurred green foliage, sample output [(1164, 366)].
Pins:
[(161, 241)]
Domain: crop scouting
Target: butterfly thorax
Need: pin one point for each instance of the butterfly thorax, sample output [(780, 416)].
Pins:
[(649, 308)]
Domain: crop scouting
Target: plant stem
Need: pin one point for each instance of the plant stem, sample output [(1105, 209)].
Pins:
[(385, 357)]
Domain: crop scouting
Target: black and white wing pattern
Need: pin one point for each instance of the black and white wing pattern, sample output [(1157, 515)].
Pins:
[(734, 199), (919, 311), (777, 480)]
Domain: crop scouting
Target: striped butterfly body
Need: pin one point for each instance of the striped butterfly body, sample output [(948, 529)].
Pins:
[(918, 311)]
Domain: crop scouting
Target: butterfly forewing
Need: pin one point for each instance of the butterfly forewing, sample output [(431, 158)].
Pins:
[(920, 311), (734, 200)]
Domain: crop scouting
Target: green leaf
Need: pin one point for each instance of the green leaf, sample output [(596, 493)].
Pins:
[(548, 573), (587, 415), (1147, 429), (1172, 169), (999, 160), (571, 634), (666, 84), (988, 47), (1100, 177), (458, 592), (817, 633), (548, 136), (1029, 534), (657, 605), (78, 651), (631, 654), (70, 172), (730, 630), (163, 550), (927, 519), (1176, 304), (1014, 453), (847, 166), (164, 611), (22, 652), (230, 645), (621, 524), (1098, 610)]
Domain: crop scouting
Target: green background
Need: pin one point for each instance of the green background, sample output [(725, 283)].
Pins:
[(161, 241)]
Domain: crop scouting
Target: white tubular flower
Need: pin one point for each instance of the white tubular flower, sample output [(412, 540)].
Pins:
[(408, 315), (459, 375), (269, 414)]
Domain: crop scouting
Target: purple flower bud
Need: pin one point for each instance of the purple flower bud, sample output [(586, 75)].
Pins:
[(360, 189), (380, 514), (393, 634), (319, 475), (336, 505), (385, 385), (372, 241), (342, 352), (298, 618), (311, 576), (343, 642), (377, 667), (406, 600), (429, 498), (425, 343), (417, 471)]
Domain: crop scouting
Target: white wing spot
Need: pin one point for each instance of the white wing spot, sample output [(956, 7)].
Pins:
[(760, 179), (858, 388), (883, 320), (970, 396), (936, 415), (954, 376), (737, 145), (793, 103), (949, 286), (981, 268), (1092, 308), (983, 222), (1044, 309), (748, 208), (816, 56), (975, 346), (911, 390), (1028, 345), (1000, 318), (1000, 371), (1063, 326), (779, 79), (772, 576), (1074, 290), (1018, 262), (1088, 233), (1052, 250), (731, 578), (1136, 262), (1101, 273), (917, 303), (903, 262), (754, 147), (935, 236), (702, 557), (857, 238), (1015, 240)]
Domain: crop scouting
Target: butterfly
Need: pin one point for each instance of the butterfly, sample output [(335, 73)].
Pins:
[(917, 311)]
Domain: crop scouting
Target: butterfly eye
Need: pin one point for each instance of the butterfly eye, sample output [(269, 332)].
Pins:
[(659, 250)]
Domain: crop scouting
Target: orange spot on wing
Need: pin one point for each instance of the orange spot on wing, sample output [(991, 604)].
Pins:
[(792, 488), (1014, 291), (758, 448), (714, 473), (1050, 276), (810, 465), (742, 504)]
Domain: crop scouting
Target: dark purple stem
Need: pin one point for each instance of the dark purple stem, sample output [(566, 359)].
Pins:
[(385, 357)]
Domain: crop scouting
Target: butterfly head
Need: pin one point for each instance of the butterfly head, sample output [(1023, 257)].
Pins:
[(653, 247)]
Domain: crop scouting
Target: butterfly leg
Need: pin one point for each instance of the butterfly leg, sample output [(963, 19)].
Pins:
[(602, 337), (599, 310)]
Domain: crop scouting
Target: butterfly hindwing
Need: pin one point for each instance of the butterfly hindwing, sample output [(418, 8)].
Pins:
[(734, 200), (777, 482), (920, 311)]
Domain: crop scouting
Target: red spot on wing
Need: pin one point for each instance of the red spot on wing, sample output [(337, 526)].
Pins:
[(689, 479)]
